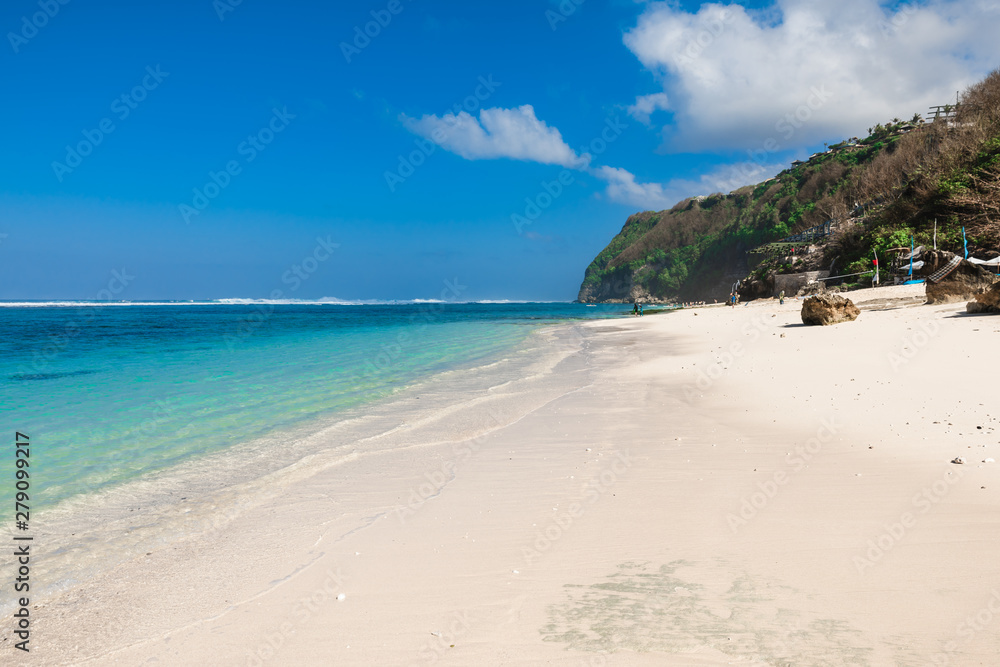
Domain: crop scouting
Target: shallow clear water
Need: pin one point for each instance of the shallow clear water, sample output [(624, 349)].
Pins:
[(109, 394)]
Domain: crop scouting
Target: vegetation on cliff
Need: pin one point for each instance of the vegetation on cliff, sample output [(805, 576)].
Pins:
[(878, 192)]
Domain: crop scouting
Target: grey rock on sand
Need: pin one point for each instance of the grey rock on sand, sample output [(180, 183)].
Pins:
[(963, 283), (986, 302), (826, 309)]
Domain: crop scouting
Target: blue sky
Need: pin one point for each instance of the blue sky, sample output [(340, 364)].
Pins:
[(205, 150)]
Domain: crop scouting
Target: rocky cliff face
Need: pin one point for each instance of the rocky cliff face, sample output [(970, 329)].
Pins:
[(616, 288), (660, 257), (621, 288), (881, 193), (698, 249)]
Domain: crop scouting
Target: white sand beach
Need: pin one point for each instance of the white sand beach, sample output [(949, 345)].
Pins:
[(712, 486)]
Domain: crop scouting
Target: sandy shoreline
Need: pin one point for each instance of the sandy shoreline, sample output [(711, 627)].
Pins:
[(706, 487)]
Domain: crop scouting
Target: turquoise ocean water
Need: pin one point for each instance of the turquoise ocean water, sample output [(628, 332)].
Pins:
[(111, 393)]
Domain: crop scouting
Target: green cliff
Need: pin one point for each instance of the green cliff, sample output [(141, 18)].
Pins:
[(876, 193)]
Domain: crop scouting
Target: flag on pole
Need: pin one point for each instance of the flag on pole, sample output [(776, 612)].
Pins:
[(911, 257)]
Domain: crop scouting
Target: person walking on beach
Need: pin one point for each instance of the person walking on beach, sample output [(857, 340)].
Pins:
[(635, 309), (781, 298), (640, 310), (732, 299)]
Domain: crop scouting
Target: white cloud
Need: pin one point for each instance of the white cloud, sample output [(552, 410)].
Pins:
[(623, 187), (497, 133), (737, 78), (646, 105)]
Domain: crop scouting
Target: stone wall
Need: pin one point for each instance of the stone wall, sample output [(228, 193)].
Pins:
[(791, 282)]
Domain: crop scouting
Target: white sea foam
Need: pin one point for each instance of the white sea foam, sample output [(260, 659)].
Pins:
[(240, 301)]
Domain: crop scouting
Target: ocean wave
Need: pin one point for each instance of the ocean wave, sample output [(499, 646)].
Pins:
[(75, 304), (235, 301), (241, 301)]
